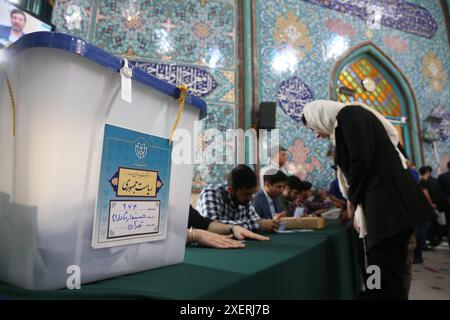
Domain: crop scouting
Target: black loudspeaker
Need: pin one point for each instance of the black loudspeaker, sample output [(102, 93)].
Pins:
[(267, 115)]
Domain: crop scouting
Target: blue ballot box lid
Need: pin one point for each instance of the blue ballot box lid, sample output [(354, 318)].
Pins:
[(58, 40)]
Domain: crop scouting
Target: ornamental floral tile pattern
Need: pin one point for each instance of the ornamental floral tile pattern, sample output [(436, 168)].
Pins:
[(73, 16), (292, 96), (434, 71), (292, 33), (205, 35), (133, 25), (408, 45), (182, 31), (192, 42), (398, 14), (220, 118), (199, 82)]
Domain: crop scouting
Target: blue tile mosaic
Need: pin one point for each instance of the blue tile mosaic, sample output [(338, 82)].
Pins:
[(423, 60), (298, 44), (192, 42), (73, 17), (199, 81), (292, 96)]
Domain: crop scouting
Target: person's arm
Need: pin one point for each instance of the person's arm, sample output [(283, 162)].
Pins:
[(268, 225), (248, 219), (424, 185), (339, 203), (220, 228), (241, 233), (238, 232), (212, 240), (196, 220), (356, 126), (428, 197)]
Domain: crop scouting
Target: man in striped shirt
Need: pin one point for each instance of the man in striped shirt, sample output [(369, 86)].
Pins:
[(231, 203)]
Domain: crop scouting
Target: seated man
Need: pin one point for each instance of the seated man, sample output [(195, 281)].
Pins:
[(290, 193), (266, 202), (231, 204), (306, 200)]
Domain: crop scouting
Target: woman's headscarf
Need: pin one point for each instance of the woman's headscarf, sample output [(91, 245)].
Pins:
[(321, 115)]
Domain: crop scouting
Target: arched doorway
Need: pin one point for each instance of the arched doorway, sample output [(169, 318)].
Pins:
[(366, 74)]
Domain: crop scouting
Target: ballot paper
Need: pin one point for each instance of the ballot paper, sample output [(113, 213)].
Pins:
[(298, 212), (294, 231)]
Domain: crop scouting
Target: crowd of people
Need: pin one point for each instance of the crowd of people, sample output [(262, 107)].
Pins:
[(243, 205), (395, 213)]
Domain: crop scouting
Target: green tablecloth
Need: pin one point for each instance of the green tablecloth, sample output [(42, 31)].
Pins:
[(307, 265)]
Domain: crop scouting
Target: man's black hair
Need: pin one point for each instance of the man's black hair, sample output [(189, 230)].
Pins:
[(305, 186), (242, 177), (294, 183), (273, 177)]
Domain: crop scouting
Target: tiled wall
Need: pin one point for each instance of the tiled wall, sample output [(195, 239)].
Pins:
[(298, 45), (192, 42), (300, 41)]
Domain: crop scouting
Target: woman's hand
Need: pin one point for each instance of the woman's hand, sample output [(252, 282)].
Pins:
[(214, 240)]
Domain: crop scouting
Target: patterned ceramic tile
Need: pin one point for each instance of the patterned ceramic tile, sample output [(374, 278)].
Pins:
[(399, 14), (340, 27), (199, 81), (73, 16), (205, 34), (331, 34), (292, 33), (220, 118), (434, 71), (202, 82), (192, 42), (292, 96), (397, 44), (135, 26), (182, 31), (296, 39)]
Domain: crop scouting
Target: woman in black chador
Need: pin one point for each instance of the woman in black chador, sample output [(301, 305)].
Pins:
[(382, 196)]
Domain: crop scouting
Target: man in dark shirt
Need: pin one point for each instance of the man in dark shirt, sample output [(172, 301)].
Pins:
[(425, 185), (266, 202), (435, 233)]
